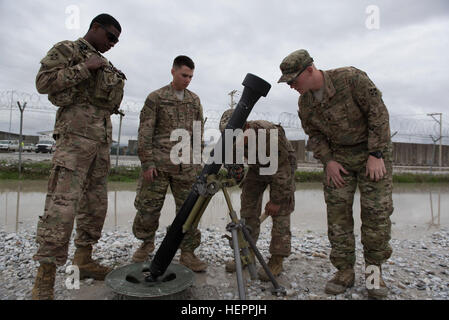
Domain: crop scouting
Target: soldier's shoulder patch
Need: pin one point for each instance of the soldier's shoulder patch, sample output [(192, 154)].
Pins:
[(65, 47), (373, 92), (55, 57)]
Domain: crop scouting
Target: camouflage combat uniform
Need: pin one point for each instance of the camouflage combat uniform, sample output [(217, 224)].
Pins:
[(282, 191), (162, 113), (348, 123), (77, 184)]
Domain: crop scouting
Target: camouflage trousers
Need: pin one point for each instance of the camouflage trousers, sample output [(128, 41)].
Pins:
[(150, 199), (376, 208), (253, 187), (77, 189)]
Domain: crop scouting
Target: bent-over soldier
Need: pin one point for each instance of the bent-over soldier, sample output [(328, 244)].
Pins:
[(282, 193)]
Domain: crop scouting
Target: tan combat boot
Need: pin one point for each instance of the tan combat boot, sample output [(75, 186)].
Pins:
[(230, 265), (378, 293), (192, 262), (275, 265), (342, 280), (88, 267), (45, 281), (143, 251)]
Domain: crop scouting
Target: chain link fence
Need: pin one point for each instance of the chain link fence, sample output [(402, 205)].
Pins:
[(411, 128)]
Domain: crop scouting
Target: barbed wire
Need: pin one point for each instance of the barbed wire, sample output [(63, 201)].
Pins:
[(11, 96), (404, 125)]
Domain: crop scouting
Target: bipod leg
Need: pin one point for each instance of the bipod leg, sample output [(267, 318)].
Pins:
[(247, 258), (251, 262), (277, 288), (232, 227)]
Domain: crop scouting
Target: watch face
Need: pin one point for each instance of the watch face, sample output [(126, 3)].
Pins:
[(376, 154)]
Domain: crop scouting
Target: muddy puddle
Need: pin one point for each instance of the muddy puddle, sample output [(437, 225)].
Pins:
[(418, 208)]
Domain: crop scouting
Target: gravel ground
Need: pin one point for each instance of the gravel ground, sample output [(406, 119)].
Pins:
[(418, 269)]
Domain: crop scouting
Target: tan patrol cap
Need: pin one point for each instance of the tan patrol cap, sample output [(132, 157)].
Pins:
[(295, 63)]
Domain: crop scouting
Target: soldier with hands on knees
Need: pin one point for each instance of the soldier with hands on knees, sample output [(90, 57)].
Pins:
[(342, 112)]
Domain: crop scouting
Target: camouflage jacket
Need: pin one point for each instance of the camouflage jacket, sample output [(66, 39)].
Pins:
[(162, 113), (280, 182), (86, 99), (351, 113)]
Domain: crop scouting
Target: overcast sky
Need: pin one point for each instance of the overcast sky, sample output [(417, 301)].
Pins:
[(406, 56)]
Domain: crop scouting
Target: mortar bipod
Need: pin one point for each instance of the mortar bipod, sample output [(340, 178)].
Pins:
[(242, 243)]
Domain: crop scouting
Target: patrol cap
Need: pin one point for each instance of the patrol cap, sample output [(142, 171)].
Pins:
[(225, 118), (295, 63)]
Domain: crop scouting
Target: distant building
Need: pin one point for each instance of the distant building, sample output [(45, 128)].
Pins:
[(4, 135), (299, 146), (132, 147)]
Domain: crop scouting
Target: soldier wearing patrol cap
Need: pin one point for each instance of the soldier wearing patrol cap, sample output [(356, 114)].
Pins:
[(342, 112), (87, 89)]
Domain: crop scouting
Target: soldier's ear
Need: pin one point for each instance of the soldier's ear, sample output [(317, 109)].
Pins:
[(173, 72), (94, 26), (309, 69)]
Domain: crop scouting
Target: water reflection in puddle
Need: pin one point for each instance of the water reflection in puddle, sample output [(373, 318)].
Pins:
[(418, 208)]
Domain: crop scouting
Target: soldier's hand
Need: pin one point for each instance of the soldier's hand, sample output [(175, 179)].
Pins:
[(236, 172), (375, 168), (150, 175), (272, 209), (94, 62), (333, 169)]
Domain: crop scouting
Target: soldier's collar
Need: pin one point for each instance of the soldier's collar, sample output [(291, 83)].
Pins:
[(329, 89), (85, 42), (187, 96)]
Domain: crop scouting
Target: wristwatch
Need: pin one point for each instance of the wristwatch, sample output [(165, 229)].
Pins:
[(377, 154)]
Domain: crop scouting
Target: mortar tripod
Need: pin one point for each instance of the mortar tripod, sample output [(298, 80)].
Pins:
[(241, 240)]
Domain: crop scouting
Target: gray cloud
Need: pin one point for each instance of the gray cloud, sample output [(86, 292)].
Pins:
[(227, 39)]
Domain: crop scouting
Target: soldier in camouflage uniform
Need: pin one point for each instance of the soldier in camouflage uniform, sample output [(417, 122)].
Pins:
[(166, 109), (282, 194), (87, 89), (343, 113)]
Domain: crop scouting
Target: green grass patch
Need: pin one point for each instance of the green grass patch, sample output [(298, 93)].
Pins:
[(124, 174), (397, 178), (30, 170), (308, 176), (420, 178), (41, 171)]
